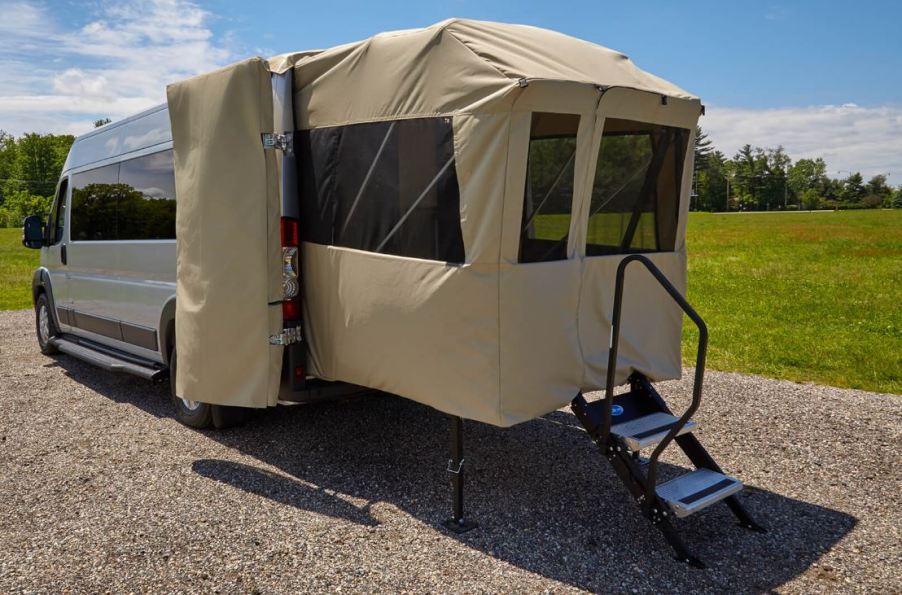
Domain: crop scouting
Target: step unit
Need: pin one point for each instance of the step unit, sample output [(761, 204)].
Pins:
[(648, 430), (687, 494)]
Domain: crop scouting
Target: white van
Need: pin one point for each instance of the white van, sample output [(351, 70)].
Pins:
[(105, 289)]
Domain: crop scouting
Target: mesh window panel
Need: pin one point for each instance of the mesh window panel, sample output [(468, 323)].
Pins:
[(636, 193), (94, 196), (548, 197), (388, 187)]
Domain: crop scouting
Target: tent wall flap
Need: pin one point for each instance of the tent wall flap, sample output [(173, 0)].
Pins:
[(227, 225)]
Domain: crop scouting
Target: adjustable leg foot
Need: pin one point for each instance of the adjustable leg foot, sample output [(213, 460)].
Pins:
[(745, 519), (679, 548), (457, 523)]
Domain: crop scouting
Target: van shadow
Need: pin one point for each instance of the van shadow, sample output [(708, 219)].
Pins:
[(544, 498)]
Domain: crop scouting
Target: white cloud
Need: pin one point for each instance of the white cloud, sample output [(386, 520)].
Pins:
[(55, 78), (849, 137)]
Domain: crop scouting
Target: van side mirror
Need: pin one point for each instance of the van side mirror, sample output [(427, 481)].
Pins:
[(33, 232)]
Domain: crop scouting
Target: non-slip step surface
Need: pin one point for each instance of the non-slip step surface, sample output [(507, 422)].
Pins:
[(699, 489), (648, 430)]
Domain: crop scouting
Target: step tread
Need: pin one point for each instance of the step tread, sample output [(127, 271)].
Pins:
[(648, 430), (689, 493)]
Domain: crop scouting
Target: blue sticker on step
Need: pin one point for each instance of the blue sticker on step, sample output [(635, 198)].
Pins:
[(616, 410)]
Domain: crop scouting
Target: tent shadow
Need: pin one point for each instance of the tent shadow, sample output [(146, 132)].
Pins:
[(544, 498)]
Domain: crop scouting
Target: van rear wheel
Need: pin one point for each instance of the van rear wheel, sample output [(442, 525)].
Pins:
[(44, 325), (199, 415), (193, 414)]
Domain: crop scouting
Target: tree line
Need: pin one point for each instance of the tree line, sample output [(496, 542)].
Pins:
[(755, 179), (30, 167), (758, 179)]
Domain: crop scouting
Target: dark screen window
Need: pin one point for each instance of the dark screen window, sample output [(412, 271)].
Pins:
[(388, 187), (146, 205), (636, 193), (94, 194), (548, 197)]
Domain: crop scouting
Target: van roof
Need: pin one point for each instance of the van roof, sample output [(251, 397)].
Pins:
[(140, 131)]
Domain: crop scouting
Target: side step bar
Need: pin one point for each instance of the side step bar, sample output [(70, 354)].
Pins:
[(107, 360)]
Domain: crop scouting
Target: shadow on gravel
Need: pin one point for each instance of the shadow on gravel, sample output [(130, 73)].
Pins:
[(544, 498)]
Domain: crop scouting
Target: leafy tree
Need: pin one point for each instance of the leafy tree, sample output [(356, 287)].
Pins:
[(808, 174), (7, 160), (703, 148), (20, 204), (853, 190), (101, 122), (810, 199)]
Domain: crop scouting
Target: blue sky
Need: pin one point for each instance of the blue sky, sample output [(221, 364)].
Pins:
[(821, 78)]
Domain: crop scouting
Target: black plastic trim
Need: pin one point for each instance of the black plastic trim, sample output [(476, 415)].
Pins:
[(139, 336)]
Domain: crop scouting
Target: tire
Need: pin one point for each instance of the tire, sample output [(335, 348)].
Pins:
[(195, 414), (45, 328)]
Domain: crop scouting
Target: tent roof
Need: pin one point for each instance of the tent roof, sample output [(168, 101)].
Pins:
[(511, 51)]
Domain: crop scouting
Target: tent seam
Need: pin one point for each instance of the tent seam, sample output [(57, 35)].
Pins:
[(500, 250)]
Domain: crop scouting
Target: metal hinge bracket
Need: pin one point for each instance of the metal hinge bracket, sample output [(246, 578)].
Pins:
[(280, 141), (287, 336)]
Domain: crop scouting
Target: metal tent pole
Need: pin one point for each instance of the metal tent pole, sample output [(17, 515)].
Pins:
[(457, 522)]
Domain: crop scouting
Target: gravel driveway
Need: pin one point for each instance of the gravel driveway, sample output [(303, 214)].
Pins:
[(100, 489)]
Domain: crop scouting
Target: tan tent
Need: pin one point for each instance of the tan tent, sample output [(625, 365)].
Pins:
[(466, 192)]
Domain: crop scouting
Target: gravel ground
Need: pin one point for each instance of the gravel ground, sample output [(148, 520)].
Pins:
[(100, 489)]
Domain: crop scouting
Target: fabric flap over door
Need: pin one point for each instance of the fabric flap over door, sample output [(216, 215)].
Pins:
[(227, 236)]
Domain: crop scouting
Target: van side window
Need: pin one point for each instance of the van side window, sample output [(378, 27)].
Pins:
[(636, 194), (548, 197), (131, 200), (53, 234), (388, 187), (146, 205), (94, 193)]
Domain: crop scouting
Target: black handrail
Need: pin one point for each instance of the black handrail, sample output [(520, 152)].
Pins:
[(650, 494)]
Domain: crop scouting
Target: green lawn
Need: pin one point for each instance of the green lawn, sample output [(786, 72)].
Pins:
[(805, 296), (16, 265)]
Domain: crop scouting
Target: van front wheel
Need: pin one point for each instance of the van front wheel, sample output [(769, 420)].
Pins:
[(44, 325)]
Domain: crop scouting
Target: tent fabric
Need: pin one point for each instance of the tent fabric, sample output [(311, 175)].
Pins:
[(485, 337), (227, 237)]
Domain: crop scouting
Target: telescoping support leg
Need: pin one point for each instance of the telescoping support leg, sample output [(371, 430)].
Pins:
[(457, 523)]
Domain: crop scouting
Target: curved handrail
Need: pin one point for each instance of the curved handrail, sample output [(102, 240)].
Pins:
[(612, 363)]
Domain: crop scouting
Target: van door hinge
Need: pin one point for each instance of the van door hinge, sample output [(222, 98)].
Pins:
[(280, 141), (287, 336)]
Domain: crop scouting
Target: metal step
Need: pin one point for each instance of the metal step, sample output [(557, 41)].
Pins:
[(699, 489), (648, 430), (106, 361)]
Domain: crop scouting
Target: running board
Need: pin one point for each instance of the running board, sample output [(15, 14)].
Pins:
[(106, 360), (689, 493)]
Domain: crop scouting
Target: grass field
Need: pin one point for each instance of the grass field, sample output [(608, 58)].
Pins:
[(804, 296), (16, 266)]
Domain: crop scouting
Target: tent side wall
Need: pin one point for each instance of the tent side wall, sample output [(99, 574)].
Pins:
[(494, 339)]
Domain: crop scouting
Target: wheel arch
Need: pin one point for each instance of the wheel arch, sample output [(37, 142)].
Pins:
[(166, 329)]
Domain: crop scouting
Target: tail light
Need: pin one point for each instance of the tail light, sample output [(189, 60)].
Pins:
[(291, 286)]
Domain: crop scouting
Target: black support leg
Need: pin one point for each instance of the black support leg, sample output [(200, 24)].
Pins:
[(457, 522)]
